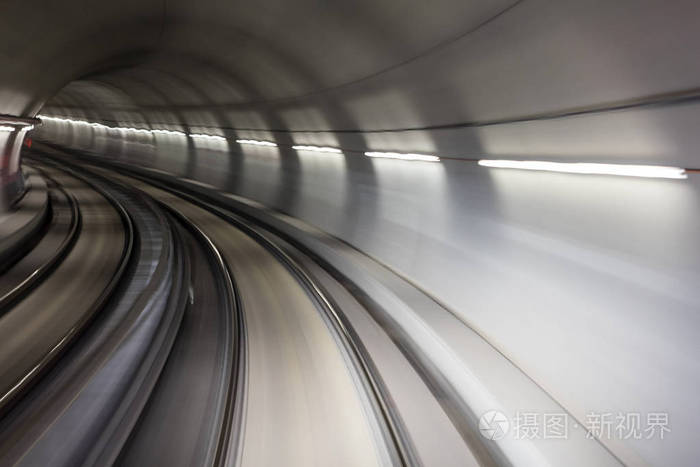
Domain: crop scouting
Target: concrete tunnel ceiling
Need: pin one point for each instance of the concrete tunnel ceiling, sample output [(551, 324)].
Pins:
[(448, 70), (255, 53)]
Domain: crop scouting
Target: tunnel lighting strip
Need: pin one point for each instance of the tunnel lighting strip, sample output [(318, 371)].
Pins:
[(212, 137), (402, 156), (94, 125), (317, 149), (168, 132), (255, 142), (101, 126), (65, 120), (648, 171), (135, 130)]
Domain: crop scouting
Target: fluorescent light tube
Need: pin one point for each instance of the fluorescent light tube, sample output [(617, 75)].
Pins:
[(402, 156), (648, 171)]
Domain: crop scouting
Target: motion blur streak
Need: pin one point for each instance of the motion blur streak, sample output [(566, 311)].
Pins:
[(379, 232)]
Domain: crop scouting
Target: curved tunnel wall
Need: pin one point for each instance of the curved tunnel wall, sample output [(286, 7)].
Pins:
[(565, 274)]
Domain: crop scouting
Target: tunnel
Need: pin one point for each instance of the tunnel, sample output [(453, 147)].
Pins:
[(327, 233)]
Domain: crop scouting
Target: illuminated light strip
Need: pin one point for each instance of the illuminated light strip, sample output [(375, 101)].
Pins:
[(256, 142), (402, 156), (317, 149), (169, 132), (7, 128), (213, 137), (648, 171), (133, 130), (137, 130), (64, 120), (96, 125)]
